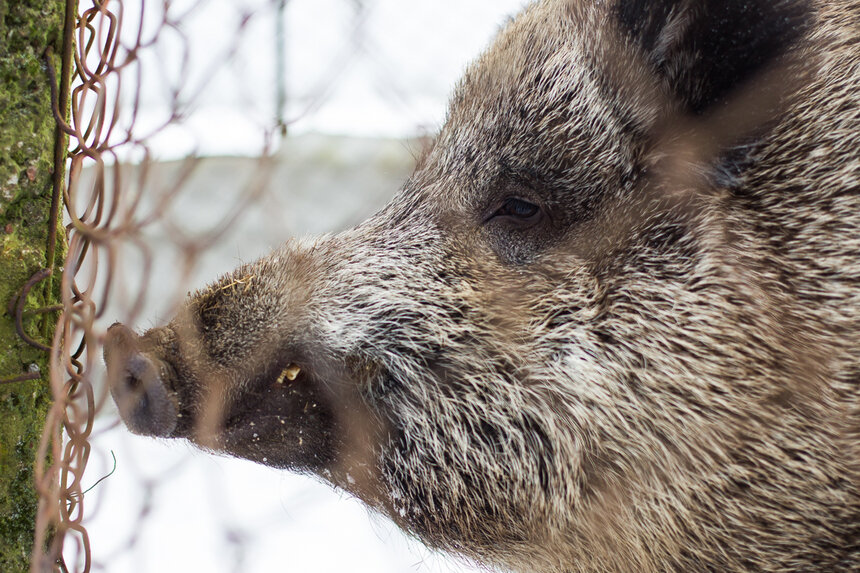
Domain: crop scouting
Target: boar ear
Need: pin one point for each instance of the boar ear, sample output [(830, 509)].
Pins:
[(704, 49)]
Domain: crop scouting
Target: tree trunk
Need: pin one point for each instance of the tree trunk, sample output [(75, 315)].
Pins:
[(27, 158)]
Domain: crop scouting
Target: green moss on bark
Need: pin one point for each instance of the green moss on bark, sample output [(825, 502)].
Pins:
[(27, 28)]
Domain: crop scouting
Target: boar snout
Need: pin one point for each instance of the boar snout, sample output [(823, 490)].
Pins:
[(138, 385)]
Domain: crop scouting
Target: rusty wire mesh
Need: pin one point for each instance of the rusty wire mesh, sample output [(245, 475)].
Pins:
[(119, 201), (104, 215)]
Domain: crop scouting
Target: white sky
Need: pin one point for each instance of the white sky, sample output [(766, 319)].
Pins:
[(384, 70)]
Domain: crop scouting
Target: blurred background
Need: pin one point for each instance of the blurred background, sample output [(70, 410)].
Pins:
[(338, 96)]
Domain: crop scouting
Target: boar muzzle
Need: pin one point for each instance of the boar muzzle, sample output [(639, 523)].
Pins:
[(138, 385)]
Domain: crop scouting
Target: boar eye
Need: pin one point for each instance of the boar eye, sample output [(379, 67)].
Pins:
[(517, 211)]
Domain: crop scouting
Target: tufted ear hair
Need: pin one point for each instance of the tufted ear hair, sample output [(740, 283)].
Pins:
[(705, 49)]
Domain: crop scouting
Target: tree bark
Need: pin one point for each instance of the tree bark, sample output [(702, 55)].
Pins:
[(28, 28)]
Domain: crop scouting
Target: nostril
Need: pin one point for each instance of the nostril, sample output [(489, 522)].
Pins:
[(138, 369), (132, 382)]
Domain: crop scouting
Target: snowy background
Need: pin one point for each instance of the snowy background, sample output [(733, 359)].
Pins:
[(363, 80), (359, 67)]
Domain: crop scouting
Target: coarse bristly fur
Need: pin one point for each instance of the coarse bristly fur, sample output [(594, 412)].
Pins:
[(609, 325)]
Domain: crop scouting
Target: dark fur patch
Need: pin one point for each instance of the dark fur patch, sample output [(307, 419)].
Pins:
[(707, 48)]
